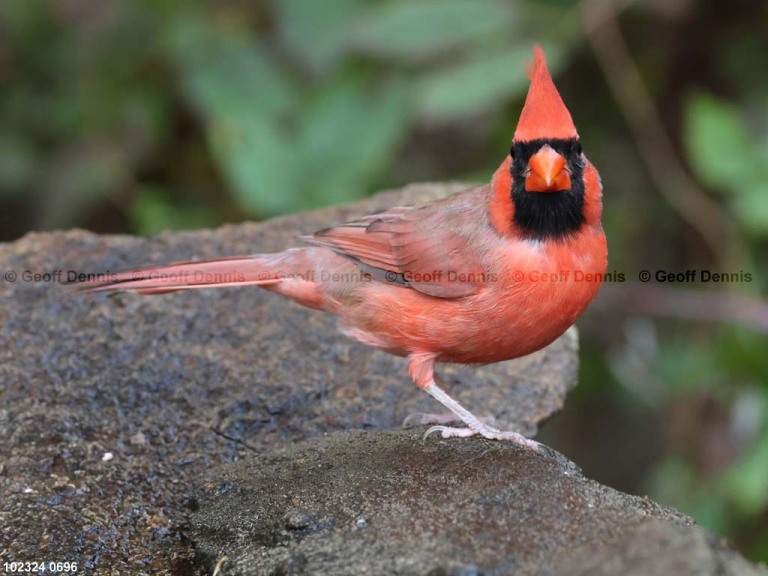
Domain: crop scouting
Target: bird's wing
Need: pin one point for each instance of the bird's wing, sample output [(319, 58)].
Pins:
[(430, 248)]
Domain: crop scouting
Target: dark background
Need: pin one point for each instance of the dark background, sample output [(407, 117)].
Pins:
[(142, 116)]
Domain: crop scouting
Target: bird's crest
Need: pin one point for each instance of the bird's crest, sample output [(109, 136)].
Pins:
[(544, 114)]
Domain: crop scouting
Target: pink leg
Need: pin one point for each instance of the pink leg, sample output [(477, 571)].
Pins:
[(422, 369), (421, 418)]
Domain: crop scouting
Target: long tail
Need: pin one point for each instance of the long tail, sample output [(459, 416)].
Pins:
[(233, 271)]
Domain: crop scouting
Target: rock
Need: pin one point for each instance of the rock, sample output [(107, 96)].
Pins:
[(158, 435), (657, 547), (391, 503), (114, 406)]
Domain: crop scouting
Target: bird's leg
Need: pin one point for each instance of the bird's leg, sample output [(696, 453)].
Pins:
[(475, 425), (421, 418), (422, 369)]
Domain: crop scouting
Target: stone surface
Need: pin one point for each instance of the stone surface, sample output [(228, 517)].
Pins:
[(389, 503), (112, 407), (156, 435), (658, 547)]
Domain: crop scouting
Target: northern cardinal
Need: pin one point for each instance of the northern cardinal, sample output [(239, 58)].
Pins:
[(489, 274)]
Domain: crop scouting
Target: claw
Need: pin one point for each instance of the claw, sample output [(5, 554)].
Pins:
[(485, 432)]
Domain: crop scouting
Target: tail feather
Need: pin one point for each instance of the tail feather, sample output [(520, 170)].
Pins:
[(220, 272)]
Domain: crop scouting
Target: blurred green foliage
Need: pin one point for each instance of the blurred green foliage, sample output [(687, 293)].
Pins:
[(148, 115), (738, 164), (295, 104)]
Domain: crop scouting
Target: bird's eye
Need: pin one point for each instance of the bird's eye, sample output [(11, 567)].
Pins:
[(512, 152), (578, 147)]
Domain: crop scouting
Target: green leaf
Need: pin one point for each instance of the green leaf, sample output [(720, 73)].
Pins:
[(153, 211), (258, 158), (417, 29), (348, 135), (242, 96), (751, 207), (470, 87), (225, 73), (717, 141), (725, 156), (317, 31)]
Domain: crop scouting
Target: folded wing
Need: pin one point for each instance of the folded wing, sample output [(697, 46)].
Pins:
[(417, 248)]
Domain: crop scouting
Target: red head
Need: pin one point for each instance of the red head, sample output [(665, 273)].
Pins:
[(546, 188)]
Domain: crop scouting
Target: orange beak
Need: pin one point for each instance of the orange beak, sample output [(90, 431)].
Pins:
[(547, 172)]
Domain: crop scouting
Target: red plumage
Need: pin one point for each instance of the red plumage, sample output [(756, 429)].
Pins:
[(544, 112), (455, 280)]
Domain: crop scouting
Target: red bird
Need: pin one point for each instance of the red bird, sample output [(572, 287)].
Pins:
[(489, 274)]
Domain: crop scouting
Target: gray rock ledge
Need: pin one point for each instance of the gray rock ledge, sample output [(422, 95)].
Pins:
[(389, 503), (113, 407), (120, 418)]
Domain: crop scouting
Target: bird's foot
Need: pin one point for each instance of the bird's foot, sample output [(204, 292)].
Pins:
[(486, 432), (475, 426), (422, 418)]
